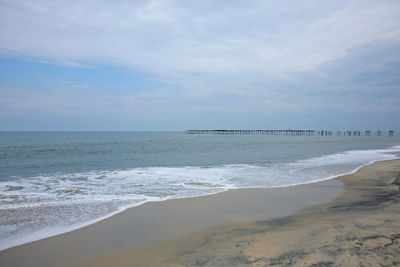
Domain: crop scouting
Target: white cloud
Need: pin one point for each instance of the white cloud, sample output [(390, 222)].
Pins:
[(252, 59), (174, 36)]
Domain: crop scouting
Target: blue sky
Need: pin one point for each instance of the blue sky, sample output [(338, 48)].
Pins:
[(174, 65)]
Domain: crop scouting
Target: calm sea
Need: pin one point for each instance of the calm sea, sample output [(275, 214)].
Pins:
[(53, 182)]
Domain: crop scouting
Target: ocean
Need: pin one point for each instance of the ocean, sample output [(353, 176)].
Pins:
[(55, 182)]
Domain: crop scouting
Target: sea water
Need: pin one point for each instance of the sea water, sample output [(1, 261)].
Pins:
[(54, 182)]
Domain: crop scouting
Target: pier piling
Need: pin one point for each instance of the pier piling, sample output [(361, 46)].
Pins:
[(287, 132)]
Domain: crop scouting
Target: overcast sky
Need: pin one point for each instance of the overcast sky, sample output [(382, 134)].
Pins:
[(174, 65)]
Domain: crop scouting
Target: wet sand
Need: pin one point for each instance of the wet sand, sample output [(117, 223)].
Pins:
[(348, 221), (361, 227), (159, 222)]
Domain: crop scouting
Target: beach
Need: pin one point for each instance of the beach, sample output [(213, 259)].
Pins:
[(347, 221), (199, 133)]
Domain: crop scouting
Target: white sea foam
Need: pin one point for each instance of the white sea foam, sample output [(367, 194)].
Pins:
[(49, 204)]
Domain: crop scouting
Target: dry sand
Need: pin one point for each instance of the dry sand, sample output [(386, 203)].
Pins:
[(360, 228)]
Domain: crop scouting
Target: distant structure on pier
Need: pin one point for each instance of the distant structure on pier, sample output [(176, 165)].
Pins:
[(289, 132)]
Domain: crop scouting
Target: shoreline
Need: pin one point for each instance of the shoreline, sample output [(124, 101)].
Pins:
[(54, 232), (162, 234), (157, 222), (361, 227)]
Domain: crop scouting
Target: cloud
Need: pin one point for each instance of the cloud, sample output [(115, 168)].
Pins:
[(242, 63), (175, 36)]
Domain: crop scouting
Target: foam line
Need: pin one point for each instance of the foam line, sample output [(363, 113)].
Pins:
[(137, 186)]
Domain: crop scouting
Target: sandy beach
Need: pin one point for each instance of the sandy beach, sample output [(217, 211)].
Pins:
[(349, 221), (199, 133)]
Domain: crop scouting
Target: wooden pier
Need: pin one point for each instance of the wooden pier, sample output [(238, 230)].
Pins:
[(291, 132)]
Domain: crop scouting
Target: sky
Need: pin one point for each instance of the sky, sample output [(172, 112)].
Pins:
[(174, 65)]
